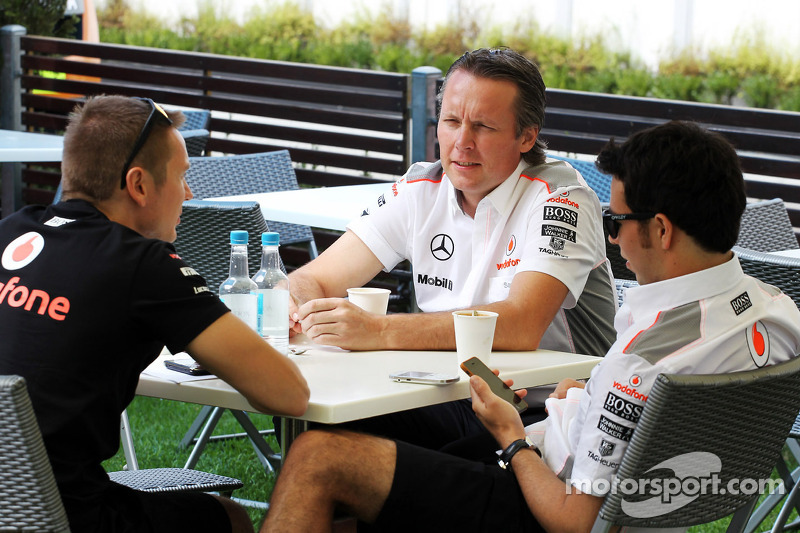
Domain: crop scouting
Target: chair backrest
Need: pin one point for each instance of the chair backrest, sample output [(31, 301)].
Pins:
[(204, 236), (196, 119), (600, 182), (733, 425), (621, 286), (780, 271), (196, 141), (766, 227), (29, 498), (216, 176)]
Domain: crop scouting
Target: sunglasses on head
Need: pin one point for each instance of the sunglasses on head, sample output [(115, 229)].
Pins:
[(156, 113), (611, 221)]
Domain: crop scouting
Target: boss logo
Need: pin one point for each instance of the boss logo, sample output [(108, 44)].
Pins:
[(741, 303), (561, 214), (622, 408)]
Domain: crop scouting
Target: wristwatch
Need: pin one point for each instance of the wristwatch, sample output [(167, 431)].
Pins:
[(505, 458)]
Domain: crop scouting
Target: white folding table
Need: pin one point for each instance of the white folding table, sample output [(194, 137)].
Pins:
[(321, 207), (22, 146), (348, 386)]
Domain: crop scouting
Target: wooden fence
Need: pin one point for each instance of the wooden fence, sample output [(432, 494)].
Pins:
[(347, 126)]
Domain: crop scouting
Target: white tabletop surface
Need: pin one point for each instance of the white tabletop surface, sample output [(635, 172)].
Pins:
[(21, 146), (353, 385), (321, 207)]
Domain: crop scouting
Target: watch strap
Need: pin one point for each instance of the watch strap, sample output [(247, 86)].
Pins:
[(511, 450)]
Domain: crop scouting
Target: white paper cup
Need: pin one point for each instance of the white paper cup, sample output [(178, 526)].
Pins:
[(474, 334), (370, 299)]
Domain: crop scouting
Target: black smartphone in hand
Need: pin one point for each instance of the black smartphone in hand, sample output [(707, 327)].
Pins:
[(475, 367)]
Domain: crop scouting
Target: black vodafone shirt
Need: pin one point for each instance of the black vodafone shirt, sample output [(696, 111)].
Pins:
[(85, 305)]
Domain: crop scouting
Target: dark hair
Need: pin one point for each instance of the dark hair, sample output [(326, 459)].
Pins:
[(100, 135), (508, 65), (686, 172)]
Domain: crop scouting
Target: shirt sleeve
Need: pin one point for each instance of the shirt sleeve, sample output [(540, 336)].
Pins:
[(387, 221), (565, 238), (171, 299)]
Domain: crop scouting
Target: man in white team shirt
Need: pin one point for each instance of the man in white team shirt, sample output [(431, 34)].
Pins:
[(493, 225), (676, 201)]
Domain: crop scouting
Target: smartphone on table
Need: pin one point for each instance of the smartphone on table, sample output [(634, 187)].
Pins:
[(186, 366), (427, 378), (475, 367)]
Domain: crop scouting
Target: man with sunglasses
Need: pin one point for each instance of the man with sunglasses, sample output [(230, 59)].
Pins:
[(91, 290), (676, 200)]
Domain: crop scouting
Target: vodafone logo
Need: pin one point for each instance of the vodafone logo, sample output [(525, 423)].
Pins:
[(512, 245), (635, 380), (758, 343), (22, 251)]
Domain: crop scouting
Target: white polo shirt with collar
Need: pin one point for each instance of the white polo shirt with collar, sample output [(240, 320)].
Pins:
[(541, 219)]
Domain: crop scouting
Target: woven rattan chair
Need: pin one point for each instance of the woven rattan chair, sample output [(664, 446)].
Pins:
[(29, 498), (600, 182), (196, 141), (211, 177), (766, 227), (681, 425), (780, 271), (622, 285), (204, 243), (784, 273), (196, 119)]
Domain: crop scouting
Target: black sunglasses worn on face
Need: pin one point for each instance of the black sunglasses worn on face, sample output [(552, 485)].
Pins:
[(156, 113), (611, 220)]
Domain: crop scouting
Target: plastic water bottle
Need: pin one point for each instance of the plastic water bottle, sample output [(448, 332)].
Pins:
[(238, 292), (273, 295)]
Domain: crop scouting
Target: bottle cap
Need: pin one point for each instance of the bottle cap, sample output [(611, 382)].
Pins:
[(270, 238), (239, 237)]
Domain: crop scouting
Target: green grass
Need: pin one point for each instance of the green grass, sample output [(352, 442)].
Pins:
[(159, 425)]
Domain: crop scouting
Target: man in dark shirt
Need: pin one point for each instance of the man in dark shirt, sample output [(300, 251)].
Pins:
[(90, 292)]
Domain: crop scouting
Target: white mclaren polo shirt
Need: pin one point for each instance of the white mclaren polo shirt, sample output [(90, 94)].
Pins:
[(714, 321), (543, 219)]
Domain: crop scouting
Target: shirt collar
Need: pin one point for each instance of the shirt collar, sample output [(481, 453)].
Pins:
[(500, 197), (675, 292)]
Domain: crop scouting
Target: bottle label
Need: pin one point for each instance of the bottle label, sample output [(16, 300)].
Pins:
[(273, 312), (244, 306)]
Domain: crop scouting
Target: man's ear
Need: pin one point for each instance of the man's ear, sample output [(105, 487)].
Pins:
[(137, 185), (528, 139), (664, 230)]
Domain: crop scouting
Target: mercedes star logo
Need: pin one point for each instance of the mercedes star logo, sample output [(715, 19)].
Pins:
[(442, 247)]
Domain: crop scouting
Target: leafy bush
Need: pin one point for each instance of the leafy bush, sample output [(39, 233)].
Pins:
[(749, 70), (40, 17)]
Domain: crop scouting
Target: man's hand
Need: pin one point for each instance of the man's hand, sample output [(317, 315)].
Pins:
[(337, 322), (561, 389), (500, 417)]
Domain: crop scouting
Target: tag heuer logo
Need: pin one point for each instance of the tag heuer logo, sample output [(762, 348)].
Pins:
[(606, 448), (556, 243)]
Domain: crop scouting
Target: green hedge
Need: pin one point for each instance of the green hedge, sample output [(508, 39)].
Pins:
[(748, 72)]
